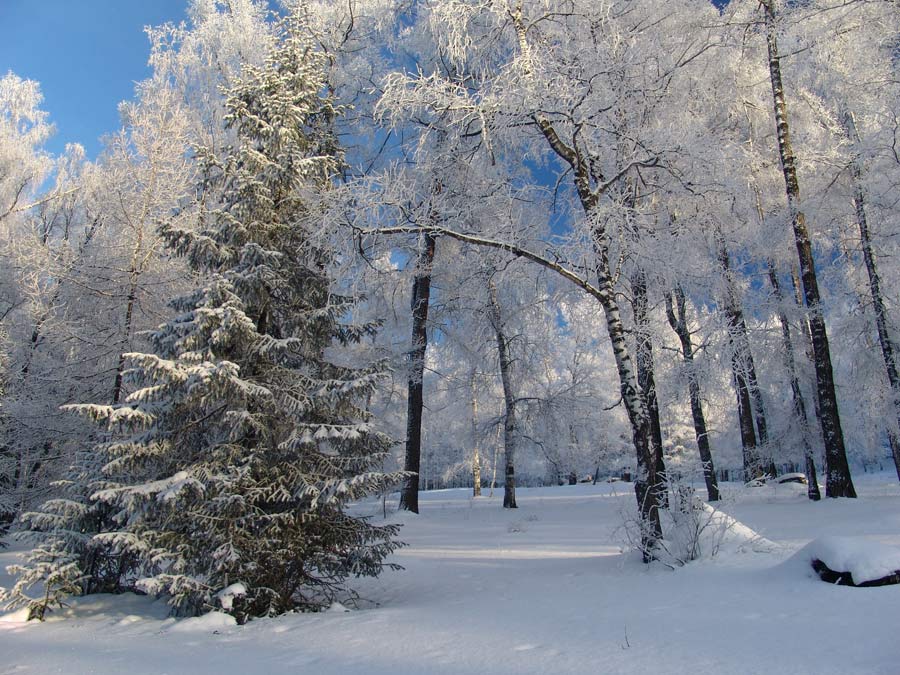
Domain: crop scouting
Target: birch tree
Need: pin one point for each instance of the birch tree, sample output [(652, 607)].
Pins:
[(837, 471)]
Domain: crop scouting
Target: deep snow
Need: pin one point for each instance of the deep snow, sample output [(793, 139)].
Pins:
[(543, 588)]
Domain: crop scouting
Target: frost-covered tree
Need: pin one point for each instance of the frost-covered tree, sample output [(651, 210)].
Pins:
[(228, 465), (23, 130)]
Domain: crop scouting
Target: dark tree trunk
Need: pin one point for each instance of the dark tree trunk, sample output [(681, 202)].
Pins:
[(510, 429), (409, 495), (675, 312), (129, 318), (865, 240), (743, 372), (799, 403), (838, 482), (751, 460), (759, 415), (646, 381)]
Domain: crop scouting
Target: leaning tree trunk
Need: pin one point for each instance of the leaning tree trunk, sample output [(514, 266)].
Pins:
[(590, 187), (409, 495), (812, 489), (510, 429), (865, 240), (678, 322), (838, 482), (635, 405)]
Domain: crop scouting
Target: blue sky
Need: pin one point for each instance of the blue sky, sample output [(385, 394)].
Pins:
[(87, 55)]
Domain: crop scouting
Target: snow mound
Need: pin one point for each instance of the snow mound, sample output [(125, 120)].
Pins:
[(865, 560), (18, 616), (208, 623), (695, 531)]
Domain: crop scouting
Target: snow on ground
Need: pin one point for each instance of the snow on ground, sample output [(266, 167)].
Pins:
[(542, 589)]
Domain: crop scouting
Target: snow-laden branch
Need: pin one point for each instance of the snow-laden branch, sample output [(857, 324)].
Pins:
[(514, 249)]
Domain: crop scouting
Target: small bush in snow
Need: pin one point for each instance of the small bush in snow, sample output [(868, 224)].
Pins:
[(694, 529)]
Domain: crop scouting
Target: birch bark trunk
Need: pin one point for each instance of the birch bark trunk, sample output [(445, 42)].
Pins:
[(510, 428), (476, 454), (838, 482), (632, 396)]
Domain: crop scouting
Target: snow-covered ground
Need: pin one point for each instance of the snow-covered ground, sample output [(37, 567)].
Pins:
[(542, 589)]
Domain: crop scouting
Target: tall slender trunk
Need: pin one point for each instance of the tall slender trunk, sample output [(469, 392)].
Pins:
[(743, 372), (129, 318), (675, 312), (838, 482), (494, 462), (865, 240), (409, 495), (750, 453), (799, 404), (476, 455), (510, 423), (807, 343)]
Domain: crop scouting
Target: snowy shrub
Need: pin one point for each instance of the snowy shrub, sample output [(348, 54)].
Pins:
[(694, 529)]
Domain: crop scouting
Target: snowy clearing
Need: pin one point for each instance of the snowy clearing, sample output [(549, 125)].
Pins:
[(540, 589)]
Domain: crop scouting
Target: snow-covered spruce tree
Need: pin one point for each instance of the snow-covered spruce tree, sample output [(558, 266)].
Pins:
[(242, 440)]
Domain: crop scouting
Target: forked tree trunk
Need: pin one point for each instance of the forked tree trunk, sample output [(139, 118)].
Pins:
[(409, 496), (799, 404), (510, 428), (838, 482), (865, 240), (675, 312), (635, 405)]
